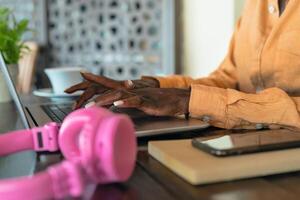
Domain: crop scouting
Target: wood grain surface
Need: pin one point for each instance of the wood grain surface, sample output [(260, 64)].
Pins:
[(151, 180)]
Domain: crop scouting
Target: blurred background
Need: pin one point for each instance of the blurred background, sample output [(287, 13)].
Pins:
[(125, 39)]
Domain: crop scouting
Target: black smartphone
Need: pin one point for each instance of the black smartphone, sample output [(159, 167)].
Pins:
[(248, 142)]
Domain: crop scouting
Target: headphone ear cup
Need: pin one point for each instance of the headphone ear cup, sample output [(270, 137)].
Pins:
[(104, 142), (72, 135), (69, 134), (115, 149)]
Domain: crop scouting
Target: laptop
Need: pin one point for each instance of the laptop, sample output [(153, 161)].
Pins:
[(40, 114)]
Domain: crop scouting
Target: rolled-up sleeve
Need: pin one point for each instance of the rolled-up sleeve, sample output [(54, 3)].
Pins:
[(232, 109)]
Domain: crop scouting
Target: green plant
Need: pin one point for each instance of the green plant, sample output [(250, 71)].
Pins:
[(11, 32)]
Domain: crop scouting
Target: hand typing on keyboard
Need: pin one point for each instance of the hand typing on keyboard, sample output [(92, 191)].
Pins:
[(152, 101), (97, 85)]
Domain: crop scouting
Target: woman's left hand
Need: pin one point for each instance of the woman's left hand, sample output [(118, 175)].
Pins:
[(152, 101)]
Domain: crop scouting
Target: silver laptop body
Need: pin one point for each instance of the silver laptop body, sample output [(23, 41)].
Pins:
[(34, 115)]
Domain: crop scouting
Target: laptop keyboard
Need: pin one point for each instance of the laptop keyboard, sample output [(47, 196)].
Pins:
[(57, 113)]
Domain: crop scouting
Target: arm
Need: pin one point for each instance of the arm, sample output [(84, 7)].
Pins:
[(228, 108), (224, 108)]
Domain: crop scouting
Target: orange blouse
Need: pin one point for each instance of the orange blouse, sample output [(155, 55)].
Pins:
[(258, 83)]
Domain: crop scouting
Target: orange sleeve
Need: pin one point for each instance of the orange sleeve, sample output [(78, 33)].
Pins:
[(224, 76), (231, 109)]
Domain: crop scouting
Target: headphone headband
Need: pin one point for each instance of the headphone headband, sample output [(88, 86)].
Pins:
[(100, 147), (45, 138)]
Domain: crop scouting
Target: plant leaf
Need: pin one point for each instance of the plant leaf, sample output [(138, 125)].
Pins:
[(11, 32)]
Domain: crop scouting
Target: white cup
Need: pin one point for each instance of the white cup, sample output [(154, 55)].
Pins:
[(62, 78)]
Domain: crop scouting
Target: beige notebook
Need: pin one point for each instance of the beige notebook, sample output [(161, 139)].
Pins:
[(198, 167)]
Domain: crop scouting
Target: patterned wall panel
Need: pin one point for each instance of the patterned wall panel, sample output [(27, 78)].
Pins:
[(118, 38)]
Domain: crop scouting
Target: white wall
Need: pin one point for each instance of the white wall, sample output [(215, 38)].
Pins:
[(208, 26)]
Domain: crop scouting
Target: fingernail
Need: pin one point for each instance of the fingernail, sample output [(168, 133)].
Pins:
[(90, 104), (118, 103), (130, 83)]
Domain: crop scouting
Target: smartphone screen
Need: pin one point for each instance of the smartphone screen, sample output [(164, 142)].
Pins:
[(249, 142)]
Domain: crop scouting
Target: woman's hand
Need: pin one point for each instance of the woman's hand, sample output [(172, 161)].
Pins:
[(93, 85), (152, 101)]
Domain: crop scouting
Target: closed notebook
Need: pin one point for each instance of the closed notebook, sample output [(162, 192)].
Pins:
[(198, 167)]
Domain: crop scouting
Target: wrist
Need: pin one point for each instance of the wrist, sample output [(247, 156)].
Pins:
[(153, 82)]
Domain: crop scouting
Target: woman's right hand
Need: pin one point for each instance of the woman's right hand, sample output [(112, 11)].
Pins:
[(95, 85)]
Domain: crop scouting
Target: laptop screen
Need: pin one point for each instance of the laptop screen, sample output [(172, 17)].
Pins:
[(20, 164), (13, 91)]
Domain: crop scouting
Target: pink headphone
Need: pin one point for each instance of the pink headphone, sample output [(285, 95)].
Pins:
[(100, 147)]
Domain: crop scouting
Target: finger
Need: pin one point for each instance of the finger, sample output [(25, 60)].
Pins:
[(101, 90), (107, 82), (89, 93), (80, 86), (132, 102), (110, 97)]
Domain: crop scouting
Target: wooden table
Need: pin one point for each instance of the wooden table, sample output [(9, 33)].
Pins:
[(151, 180)]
